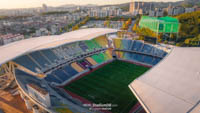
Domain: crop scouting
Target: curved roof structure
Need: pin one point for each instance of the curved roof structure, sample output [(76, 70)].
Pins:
[(13, 50), (173, 85)]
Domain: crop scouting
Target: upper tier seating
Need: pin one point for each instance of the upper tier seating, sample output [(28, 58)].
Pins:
[(146, 53), (126, 44), (117, 43), (137, 46), (50, 55), (83, 46), (69, 70), (41, 60), (147, 49), (45, 60), (102, 41), (27, 62), (52, 78)]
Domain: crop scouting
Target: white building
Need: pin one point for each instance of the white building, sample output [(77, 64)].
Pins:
[(104, 12), (189, 10), (42, 32), (39, 94), (136, 8), (8, 38), (175, 10)]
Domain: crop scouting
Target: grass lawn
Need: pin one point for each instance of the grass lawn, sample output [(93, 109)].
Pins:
[(109, 84)]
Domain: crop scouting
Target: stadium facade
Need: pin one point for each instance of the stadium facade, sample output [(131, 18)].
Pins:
[(42, 66)]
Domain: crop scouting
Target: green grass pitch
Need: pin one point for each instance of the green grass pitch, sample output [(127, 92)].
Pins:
[(109, 84)]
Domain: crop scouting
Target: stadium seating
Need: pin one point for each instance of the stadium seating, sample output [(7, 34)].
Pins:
[(126, 44), (128, 55), (41, 60), (117, 43), (137, 46), (61, 75), (134, 50), (141, 52), (97, 59), (109, 54), (83, 46), (89, 59), (147, 49), (27, 62), (148, 59), (156, 60), (52, 78), (137, 57), (84, 64), (77, 67), (70, 70), (50, 55), (91, 45), (102, 41), (158, 52)]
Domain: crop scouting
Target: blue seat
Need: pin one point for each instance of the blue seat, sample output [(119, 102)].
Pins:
[(155, 61), (128, 55), (158, 52), (51, 78), (61, 75), (26, 62), (164, 54), (138, 57), (137, 45), (148, 59), (147, 49), (50, 55), (39, 59), (83, 46), (70, 70), (126, 44)]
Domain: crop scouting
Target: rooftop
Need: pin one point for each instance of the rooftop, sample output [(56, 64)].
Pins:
[(16, 49), (37, 88), (172, 86)]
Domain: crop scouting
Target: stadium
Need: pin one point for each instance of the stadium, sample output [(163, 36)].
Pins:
[(94, 71)]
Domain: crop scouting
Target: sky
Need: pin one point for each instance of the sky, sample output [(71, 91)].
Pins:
[(10, 4)]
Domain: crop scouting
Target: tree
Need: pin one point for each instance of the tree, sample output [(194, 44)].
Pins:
[(165, 13)]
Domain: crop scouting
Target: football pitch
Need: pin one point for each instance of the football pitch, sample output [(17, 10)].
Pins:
[(109, 84)]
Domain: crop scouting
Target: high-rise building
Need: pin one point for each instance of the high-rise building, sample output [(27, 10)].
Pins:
[(140, 7), (44, 7)]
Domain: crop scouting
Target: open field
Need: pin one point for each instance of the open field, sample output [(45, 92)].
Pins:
[(109, 84)]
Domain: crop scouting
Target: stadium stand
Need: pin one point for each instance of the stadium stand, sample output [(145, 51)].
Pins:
[(109, 54), (61, 75), (27, 62), (126, 44), (138, 51), (70, 70), (91, 61), (102, 41), (50, 55), (83, 46), (97, 59), (42, 61), (137, 46), (77, 67), (52, 78)]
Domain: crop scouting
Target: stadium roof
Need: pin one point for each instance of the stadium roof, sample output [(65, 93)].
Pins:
[(173, 85), (15, 49)]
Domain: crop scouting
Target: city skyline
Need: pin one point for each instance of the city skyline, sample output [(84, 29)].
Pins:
[(36, 3)]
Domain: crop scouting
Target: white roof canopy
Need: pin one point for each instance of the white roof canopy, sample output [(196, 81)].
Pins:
[(173, 85), (15, 49)]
